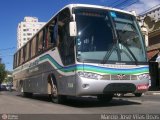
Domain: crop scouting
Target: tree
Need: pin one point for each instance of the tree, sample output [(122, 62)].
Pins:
[(3, 73)]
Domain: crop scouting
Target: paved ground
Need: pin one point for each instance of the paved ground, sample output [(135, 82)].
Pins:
[(12, 103)]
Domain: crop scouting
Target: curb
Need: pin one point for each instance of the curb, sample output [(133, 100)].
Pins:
[(156, 93), (153, 93)]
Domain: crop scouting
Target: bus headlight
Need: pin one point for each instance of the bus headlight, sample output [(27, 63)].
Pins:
[(143, 76), (90, 75)]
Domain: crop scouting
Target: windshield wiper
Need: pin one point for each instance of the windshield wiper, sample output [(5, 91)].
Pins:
[(115, 44), (118, 50), (131, 53), (108, 54)]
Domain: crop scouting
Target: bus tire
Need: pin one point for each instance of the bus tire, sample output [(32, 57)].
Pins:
[(27, 94), (24, 94), (138, 94), (21, 90), (55, 98), (105, 97)]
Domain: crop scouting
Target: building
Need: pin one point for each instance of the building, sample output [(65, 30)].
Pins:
[(26, 29), (151, 20), (154, 13)]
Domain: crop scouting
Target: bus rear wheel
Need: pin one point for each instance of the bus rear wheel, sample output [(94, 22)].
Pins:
[(105, 97)]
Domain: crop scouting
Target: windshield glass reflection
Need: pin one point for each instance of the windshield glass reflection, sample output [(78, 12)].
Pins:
[(97, 41)]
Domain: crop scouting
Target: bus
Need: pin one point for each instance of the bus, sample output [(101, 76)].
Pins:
[(84, 50)]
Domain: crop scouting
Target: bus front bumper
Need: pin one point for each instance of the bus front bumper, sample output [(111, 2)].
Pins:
[(87, 86)]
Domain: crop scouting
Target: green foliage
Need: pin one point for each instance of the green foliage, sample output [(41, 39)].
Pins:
[(3, 73), (8, 79)]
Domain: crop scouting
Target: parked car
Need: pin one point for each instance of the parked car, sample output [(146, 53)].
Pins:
[(9, 87), (3, 88)]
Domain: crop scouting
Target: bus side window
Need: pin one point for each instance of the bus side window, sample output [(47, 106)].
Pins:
[(66, 43), (24, 53), (18, 58), (50, 40), (40, 41), (33, 47), (27, 55), (21, 56), (48, 37), (55, 34), (15, 61)]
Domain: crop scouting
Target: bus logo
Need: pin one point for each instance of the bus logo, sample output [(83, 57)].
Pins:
[(121, 76)]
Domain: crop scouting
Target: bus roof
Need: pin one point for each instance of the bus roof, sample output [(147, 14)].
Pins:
[(96, 6), (70, 6)]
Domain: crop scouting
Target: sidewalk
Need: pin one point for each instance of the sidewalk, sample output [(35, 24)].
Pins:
[(152, 92)]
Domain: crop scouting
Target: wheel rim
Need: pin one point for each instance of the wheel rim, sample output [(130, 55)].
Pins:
[(21, 89), (54, 93)]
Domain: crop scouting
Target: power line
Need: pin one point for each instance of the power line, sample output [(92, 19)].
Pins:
[(130, 4), (149, 9), (121, 3), (114, 3)]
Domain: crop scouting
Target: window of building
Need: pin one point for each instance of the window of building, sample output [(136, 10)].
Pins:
[(29, 34)]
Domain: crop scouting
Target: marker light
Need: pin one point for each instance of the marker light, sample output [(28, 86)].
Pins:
[(143, 76), (90, 75)]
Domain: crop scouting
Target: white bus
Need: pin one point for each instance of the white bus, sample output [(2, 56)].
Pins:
[(84, 50)]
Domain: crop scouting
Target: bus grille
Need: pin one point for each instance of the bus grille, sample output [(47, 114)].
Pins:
[(119, 77)]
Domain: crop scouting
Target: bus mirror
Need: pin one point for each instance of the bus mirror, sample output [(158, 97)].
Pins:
[(73, 29)]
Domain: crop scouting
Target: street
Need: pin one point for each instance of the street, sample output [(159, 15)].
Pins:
[(11, 102)]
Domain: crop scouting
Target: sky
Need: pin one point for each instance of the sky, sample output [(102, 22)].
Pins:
[(13, 11)]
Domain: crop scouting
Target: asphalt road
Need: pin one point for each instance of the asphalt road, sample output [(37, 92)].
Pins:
[(13, 103)]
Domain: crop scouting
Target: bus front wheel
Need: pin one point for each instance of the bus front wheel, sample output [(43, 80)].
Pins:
[(27, 94), (138, 94), (55, 98)]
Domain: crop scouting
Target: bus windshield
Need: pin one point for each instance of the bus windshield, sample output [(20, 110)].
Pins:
[(108, 36)]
